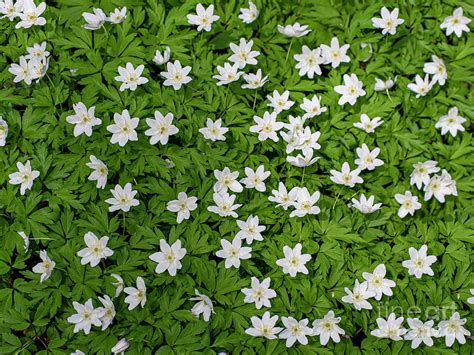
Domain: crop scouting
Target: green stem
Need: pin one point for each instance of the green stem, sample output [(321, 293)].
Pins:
[(226, 93), (254, 99), (225, 102), (123, 228), (289, 50), (388, 94), (337, 198), (302, 177)]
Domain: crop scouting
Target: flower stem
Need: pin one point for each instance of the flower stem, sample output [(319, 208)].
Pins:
[(123, 227), (337, 198), (289, 50), (255, 99), (388, 94)]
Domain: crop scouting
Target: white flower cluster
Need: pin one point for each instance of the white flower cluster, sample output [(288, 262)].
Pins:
[(32, 66), (96, 19), (26, 10), (297, 136)]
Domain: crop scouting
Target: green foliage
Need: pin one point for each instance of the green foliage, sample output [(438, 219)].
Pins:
[(63, 205)]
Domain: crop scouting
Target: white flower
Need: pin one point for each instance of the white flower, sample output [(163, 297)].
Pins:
[(136, 296), (120, 347), (38, 52), (250, 230), (118, 16), (308, 62), (109, 311), (161, 128), (291, 139), (131, 77), (203, 305), (366, 205), (295, 330), (243, 53), (214, 130), (94, 20), (409, 204), (11, 9), (346, 177), (328, 328), (419, 262), (389, 21), (264, 327), (305, 203), (367, 124), (227, 74), (449, 183), (368, 159), (377, 283), (99, 172), (390, 328), (123, 198), (420, 332), (280, 102), (421, 173), (295, 125), (224, 204), (176, 76), (203, 18), (168, 258), (295, 30), (452, 329), (78, 352), (249, 15), (162, 59), (381, 85), (456, 23), (335, 54), (30, 14), (470, 300), (25, 71), (359, 295), (267, 126), (3, 131), (86, 316), (350, 91), (451, 123), (83, 119), (294, 261), (282, 197), (183, 205), (96, 249), (118, 285), (45, 267), (39, 68), (260, 293), (254, 81), (227, 179), (437, 69), (26, 240), (23, 177), (312, 107), (440, 186), (233, 252), (123, 130), (255, 179), (304, 160), (421, 86)]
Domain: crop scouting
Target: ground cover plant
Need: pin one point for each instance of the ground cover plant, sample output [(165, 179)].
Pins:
[(236, 177)]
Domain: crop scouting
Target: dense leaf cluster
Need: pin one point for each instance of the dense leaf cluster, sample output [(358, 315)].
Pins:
[(63, 205)]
